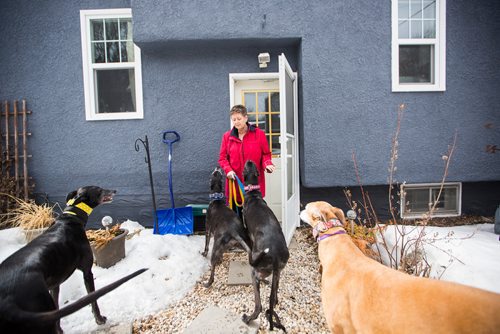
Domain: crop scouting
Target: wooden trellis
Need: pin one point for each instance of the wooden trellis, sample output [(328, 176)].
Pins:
[(14, 148)]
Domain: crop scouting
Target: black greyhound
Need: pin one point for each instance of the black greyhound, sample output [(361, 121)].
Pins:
[(30, 278), (269, 250), (223, 224)]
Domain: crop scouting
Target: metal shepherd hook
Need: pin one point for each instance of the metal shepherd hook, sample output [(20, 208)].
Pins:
[(145, 143)]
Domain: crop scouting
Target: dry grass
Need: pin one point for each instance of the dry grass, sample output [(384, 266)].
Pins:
[(27, 215), (100, 238)]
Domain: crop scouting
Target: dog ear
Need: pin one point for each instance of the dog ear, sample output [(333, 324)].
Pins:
[(71, 195), (339, 214)]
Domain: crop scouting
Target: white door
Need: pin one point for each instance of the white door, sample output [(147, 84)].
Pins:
[(289, 148), (282, 186)]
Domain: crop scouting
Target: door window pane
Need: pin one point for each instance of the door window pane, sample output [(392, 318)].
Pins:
[(263, 111), (263, 100), (275, 123), (275, 145), (275, 101), (115, 90), (415, 64), (250, 102)]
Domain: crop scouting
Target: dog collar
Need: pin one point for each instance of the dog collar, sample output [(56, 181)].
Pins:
[(324, 236), (82, 206), (216, 196), (324, 226), (252, 187)]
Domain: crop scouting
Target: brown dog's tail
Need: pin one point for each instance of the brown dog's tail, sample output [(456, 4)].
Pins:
[(52, 316)]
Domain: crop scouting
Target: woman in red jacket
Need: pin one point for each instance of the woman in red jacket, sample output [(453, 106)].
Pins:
[(244, 142)]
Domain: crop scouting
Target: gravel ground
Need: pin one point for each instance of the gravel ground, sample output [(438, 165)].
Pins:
[(299, 305)]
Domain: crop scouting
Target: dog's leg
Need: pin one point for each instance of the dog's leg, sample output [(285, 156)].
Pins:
[(208, 235), (242, 243), (273, 300), (88, 278), (55, 296), (258, 306), (217, 253)]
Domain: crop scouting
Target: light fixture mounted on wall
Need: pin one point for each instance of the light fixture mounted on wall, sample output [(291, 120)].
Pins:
[(263, 58)]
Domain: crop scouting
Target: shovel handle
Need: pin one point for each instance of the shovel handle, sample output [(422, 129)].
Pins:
[(170, 140)]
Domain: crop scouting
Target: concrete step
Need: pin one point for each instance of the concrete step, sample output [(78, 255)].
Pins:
[(215, 320)]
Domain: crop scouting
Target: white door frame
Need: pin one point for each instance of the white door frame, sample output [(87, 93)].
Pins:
[(233, 77)]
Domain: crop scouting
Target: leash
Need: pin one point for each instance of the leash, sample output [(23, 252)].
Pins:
[(232, 193)]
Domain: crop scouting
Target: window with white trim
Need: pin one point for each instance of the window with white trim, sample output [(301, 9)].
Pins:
[(420, 199), (111, 65), (418, 45)]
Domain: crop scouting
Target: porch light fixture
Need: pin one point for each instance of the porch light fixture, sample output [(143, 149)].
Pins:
[(263, 58)]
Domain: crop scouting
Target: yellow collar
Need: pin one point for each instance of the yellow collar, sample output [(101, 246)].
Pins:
[(82, 206)]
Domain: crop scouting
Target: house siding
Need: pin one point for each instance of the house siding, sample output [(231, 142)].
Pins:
[(341, 51)]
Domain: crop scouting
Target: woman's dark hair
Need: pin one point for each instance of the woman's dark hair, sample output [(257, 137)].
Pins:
[(239, 108)]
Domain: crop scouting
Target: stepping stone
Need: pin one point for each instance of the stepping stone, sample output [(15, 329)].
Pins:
[(125, 328), (215, 320), (240, 273)]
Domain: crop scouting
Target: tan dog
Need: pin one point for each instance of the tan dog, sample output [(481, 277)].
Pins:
[(360, 295)]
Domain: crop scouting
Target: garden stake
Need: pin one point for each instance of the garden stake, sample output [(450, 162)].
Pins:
[(147, 159)]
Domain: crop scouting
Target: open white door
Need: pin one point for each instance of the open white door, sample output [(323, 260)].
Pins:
[(289, 149)]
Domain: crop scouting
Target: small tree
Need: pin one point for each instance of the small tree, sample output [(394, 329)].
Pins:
[(410, 257)]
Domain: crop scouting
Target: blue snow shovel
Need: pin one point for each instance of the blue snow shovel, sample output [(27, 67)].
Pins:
[(174, 220)]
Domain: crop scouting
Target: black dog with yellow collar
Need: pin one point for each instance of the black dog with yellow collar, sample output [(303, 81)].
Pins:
[(27, 276)]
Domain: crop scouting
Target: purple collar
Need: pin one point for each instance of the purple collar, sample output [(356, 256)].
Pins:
[(324, 236)]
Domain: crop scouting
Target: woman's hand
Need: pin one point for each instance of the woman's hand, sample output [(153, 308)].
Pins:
[(270, 168), (231, 175)]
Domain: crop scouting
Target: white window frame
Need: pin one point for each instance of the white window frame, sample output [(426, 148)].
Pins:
[(89, 67), (409, 215), (439, 61)]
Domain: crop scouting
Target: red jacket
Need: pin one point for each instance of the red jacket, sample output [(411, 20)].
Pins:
[(235, 152)]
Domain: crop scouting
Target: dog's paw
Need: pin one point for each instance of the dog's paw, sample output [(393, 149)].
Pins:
[(101, 320)]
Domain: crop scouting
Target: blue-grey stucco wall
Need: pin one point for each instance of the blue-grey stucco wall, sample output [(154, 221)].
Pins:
[(347, 102), (341, 50)]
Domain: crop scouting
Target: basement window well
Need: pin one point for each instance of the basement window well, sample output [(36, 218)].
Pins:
[(431, 199)]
